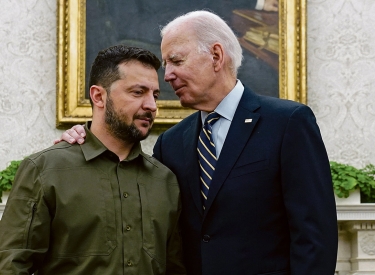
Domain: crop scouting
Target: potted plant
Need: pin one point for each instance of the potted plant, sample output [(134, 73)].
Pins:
[(7, 176), (348, 179)]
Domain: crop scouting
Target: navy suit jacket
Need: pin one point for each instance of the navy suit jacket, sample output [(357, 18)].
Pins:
[(270, 208)]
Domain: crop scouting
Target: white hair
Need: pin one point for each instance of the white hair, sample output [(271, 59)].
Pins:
[(209, 29)]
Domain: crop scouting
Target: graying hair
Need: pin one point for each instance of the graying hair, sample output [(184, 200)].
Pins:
[(209, 29)]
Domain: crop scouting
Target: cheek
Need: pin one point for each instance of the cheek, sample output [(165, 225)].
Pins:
[(127, 113), (125, 116), (201, 72)]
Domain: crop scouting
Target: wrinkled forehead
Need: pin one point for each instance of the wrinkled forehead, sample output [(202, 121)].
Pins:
[(175, 42)]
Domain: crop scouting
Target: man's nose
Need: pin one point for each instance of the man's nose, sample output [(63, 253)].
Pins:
[(149, 103), (169, 74)]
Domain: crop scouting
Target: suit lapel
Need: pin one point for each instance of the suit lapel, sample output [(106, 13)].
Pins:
[(237, 137), (192, 172)]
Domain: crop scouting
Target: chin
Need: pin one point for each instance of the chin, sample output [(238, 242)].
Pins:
[(186, 103), (145, 135), (191, 105), (145, 130)]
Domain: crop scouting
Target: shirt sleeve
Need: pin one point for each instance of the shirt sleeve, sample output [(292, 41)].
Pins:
[(25, 225)]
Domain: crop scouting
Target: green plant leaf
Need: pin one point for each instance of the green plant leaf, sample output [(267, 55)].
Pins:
[(346, 178), (7, 176), (349, 183)]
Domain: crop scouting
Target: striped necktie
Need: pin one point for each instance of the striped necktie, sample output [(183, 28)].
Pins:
[(207, 154)]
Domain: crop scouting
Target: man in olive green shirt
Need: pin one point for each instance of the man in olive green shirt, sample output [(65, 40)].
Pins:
[(103, 207)]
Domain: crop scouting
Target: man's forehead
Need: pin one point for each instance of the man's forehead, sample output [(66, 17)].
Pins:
[(171, 51), (176, 47), (177, 37)]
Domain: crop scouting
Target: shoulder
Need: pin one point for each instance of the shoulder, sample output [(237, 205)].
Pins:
[(267, 105), (57, 155), (28, 181), (283, 106)]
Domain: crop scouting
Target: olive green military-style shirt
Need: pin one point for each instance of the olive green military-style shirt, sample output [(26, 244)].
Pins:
[(77, 209)]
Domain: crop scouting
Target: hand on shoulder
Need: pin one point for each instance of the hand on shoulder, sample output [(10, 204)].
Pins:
[(75, 134)]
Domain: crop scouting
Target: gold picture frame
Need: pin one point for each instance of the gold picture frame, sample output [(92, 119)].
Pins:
[(73, 108)]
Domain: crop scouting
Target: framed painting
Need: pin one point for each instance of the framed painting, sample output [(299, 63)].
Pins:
[(274, 47)]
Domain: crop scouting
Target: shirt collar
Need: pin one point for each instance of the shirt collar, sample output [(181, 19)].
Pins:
[(228, 105), (93, 147)]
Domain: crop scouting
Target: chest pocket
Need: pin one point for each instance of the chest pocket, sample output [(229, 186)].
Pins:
[(250, 167), (84, 221)]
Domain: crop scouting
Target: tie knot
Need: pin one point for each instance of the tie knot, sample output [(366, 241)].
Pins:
[(212, 118)]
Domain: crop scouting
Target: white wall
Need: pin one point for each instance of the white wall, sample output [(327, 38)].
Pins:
[(341, 78), (27, 77)]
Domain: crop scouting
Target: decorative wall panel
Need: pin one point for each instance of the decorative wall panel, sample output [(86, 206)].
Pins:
[(27, 77), (341, 79)]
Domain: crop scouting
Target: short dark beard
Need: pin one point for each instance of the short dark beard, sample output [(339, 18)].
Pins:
[(117, 126)]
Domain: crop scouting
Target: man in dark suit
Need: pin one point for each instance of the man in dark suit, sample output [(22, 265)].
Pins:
[(265, 205), (270, 206)]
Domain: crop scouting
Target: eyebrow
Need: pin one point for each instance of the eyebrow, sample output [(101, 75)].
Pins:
[(170, 57), (143, 88)]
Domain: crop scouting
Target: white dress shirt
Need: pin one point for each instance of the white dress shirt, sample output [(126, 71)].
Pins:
[(226, 110)]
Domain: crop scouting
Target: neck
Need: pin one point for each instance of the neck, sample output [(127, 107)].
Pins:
[(220, 90), (120, 147)]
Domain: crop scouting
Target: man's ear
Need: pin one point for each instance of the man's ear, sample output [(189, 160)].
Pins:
[(217, 56), (98, 96)]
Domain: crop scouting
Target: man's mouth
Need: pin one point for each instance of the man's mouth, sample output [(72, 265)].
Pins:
[(145, 117), (178, 90)]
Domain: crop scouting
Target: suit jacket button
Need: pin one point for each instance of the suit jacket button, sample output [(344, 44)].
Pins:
[(206, 238)]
